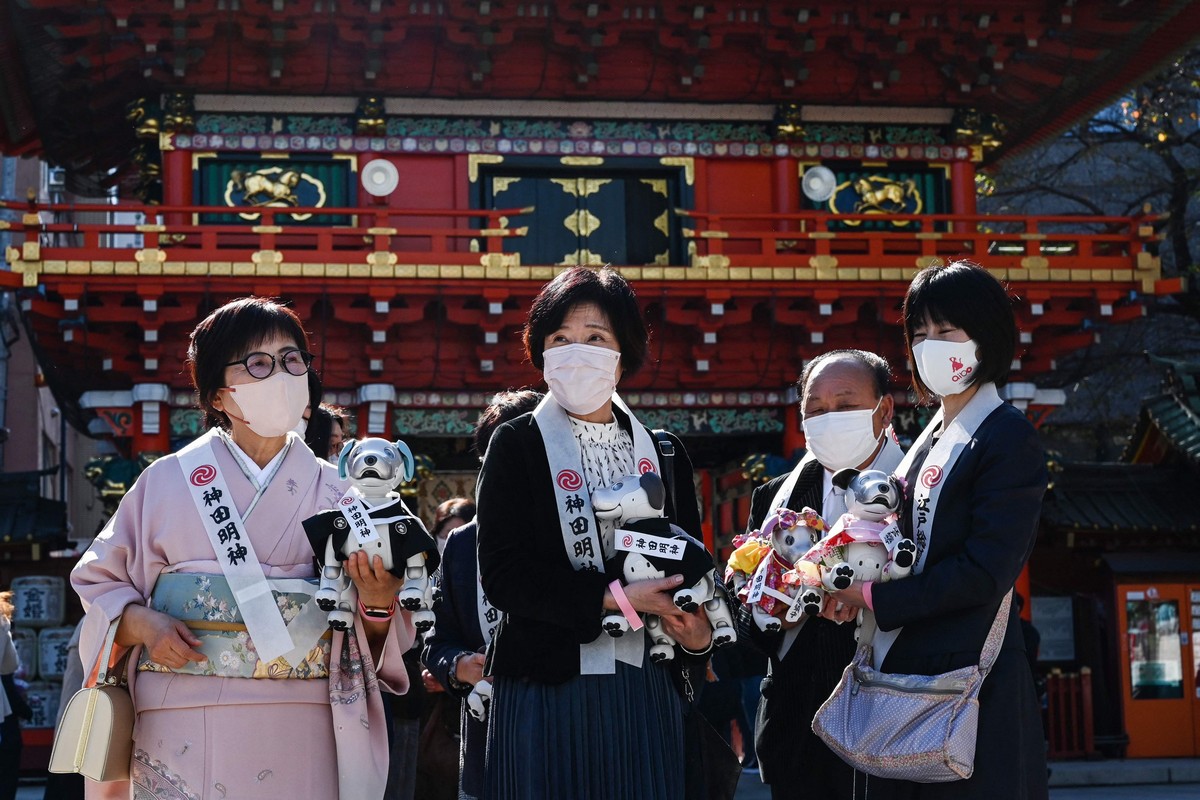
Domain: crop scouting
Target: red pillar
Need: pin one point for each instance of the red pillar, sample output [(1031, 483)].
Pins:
[(962, 187), (793, 434)]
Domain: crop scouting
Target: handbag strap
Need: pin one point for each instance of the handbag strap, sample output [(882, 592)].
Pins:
[(995, 637), (991, 645), (666, 462), (115, 677)]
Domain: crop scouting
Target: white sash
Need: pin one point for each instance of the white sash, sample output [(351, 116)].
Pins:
[(358, 516), (489, 615), (580, 531), (935, 468), (235, 552)]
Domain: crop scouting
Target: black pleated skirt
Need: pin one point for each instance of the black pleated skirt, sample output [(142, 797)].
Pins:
[(595, 737)]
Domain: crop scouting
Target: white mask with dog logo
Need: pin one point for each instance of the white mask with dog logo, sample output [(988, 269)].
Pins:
[(270, 407), (581, 376), (945, 366)]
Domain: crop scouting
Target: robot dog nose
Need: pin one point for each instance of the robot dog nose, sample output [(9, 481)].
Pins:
[(370, 461)]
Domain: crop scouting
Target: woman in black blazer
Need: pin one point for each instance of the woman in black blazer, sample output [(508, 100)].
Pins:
[(574, 712), (974, 516)]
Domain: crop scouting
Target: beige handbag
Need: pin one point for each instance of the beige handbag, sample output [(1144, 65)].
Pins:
[(95, 737)]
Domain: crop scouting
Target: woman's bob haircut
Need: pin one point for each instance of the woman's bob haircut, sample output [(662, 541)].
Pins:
[(967, 296), (230, 333), (608, 291)]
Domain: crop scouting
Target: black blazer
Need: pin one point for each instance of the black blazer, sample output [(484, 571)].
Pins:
[(455, 607), (982, 535), (457, 631), (550, 609), (797, 684)]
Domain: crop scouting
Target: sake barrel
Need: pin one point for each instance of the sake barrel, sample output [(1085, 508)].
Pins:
[(27, 650), (53, 652), (43, 698), (39, 601)]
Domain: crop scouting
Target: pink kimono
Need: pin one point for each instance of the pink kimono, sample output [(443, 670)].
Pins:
[(200, 736)]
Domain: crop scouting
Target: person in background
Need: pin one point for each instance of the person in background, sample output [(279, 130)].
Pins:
[(68, 785), (846, 411), (451, 514), (979, 473), (210, 532), (324, 431), (12, 704), (575, 712), (416, 761), (337, 431), (454, 649)]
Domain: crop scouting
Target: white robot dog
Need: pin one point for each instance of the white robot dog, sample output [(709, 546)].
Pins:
[(371, 517), (638, 503)]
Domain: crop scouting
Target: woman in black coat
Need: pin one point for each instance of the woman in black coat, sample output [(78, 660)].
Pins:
[(975, 480), (575, 712)]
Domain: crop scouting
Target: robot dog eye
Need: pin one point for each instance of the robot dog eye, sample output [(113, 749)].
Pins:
[(388, 453), (616, 487)]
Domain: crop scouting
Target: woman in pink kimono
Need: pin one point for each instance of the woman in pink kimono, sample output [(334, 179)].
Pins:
[(240, 687)]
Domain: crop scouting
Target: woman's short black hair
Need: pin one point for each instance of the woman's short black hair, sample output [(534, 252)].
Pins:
[(505, 406), (232, 332), (609, 291), (967, 296)]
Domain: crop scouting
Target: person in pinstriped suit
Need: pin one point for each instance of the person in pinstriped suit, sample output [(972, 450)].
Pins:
[(807, 658)]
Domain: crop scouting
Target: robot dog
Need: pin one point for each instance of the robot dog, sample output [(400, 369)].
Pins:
[(649, 546), (865, 544), (371, 517), (761, 569)]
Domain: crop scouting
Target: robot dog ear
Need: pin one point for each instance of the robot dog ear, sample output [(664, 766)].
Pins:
[(346, 448), (841, 479), (656, 492), (409, 467)]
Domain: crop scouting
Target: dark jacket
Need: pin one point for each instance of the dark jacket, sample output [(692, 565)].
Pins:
[(789, 754), (457, 631), (982, 534), (550, 609)]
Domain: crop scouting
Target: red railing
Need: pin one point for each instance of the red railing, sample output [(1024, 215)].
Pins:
[(445, 236), (896, 240), (89, 231), (1069, 721)]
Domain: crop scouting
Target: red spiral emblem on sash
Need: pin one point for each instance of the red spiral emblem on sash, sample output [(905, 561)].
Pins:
[(646, 465), (347, 500), (203, 475), (627, 540), (569, 480), (931, 477)]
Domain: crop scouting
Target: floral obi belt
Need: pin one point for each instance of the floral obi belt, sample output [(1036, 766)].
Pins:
[(207, 606)]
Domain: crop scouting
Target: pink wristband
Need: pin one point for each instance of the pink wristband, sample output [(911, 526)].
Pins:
[(866, 593), (631, 614)]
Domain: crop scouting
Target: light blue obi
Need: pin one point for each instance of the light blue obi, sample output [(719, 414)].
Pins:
[(206, 605)]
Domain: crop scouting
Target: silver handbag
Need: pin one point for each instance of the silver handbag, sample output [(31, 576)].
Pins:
[(918, 728), (95, 737)]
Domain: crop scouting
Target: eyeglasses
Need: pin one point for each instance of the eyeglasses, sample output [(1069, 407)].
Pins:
[(261, 365)]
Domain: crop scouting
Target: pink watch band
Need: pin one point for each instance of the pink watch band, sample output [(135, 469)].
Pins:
[(866, 592), (631, 614)]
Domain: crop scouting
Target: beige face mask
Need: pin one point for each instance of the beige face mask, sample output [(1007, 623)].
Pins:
[(270, 407)]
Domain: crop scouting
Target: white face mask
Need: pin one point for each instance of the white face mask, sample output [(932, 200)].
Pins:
[(581, 377), (301, 428), (270, 407), (945, 366), (842, 439)]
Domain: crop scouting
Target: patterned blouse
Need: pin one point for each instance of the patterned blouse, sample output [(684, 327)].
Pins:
[(607, 454)]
